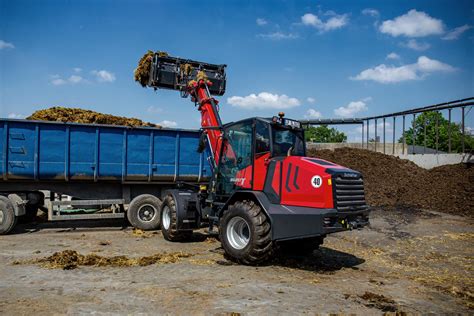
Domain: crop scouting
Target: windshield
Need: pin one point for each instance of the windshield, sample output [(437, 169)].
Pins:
[(287, 142)]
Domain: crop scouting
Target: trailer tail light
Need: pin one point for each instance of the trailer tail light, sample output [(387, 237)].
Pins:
[(348, 191)]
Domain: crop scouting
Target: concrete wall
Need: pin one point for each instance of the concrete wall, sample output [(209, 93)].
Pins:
[(426, 161), (429, 161), (388, 146)]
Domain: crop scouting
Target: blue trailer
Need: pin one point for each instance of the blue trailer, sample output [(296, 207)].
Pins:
[(97, 165)]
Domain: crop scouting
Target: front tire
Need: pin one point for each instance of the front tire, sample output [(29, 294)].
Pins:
[(144, 212), (245, 233), (7, 215), (169, 222)]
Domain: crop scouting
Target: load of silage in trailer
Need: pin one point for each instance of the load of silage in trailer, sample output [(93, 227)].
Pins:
[(391, 181), (76, 115)]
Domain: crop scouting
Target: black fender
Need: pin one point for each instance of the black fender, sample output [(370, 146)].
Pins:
[(257, 196), (187, 214)]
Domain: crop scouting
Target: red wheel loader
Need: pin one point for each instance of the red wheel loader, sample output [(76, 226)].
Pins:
[(264, 193)]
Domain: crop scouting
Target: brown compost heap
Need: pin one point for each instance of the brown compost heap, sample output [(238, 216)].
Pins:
[(391, 181), (76, 115)]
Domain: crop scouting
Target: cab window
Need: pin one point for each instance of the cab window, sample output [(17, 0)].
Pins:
[(262, 138), (287, 142)]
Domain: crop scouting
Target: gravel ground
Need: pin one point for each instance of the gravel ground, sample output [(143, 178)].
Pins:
[(408, 260)]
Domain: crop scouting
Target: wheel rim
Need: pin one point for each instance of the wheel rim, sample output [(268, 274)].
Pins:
[(147, 212), (166, 217), (1, 217), (238, 232)]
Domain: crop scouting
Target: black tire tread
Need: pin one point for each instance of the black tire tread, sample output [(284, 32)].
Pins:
[(262, 245), (7, 204), (132, 212), (172, 234)]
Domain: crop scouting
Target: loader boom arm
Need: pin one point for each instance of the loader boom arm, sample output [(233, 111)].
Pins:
[(200, 81)]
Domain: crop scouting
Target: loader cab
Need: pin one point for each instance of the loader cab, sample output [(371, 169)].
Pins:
[(248, 147)]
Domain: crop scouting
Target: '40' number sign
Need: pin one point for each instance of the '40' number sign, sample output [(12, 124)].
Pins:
[(316, 182)]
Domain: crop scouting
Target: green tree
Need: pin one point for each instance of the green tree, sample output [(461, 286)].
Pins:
[(429, 120), (324, 134)]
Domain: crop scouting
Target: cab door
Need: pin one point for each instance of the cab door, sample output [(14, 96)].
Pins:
[(236, 164)]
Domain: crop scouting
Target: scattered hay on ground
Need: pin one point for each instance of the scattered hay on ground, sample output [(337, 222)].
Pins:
[(71, 259), (379, 301), (137, 232), (76, 115)]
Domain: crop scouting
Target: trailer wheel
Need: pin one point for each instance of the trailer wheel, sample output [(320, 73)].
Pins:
[(245, 233), (169, 222), (144, 212), (7, 215)]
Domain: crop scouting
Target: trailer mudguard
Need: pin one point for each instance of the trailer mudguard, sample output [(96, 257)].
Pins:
[(296, 222), (187, 214)]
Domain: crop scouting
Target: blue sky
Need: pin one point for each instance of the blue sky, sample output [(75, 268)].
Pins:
[(310, 59)]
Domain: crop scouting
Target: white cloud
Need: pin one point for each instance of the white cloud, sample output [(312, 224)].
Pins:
[(167, 123), (263, 100), (154, 110), (104, 75), (371, 12), (352, 108), (77, 69), (5, 45), (392, 74), (277, 36), (393, 56), (56, 80), (313, 114), (16, 116), (413, 24), (75, 79), (261, 22), (310, 99), (333, 23), (454, 34), (415, 45)]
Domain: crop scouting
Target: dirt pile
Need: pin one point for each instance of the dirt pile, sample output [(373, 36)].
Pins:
[(71, 259), (76, 115), (390, 181)]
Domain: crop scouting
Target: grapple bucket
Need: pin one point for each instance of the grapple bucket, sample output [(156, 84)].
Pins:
[(174, 73)]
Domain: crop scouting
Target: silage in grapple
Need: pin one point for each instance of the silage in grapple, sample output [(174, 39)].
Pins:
[(391, 181), (76, 115), (142, 72)]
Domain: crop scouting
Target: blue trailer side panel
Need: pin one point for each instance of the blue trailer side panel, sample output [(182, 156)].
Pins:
[(46, 151)]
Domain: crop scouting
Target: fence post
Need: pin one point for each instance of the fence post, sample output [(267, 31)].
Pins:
[(404, 137), (393, 142), (375, 143), (424, 138), (384, 135), (414, 133), (449, 131), (437, 132), (462, 127), (368, 134)]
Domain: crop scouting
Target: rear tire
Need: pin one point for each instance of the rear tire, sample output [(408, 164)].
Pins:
[(169, 222), (245, 233), (7, 216), (144, 212)]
